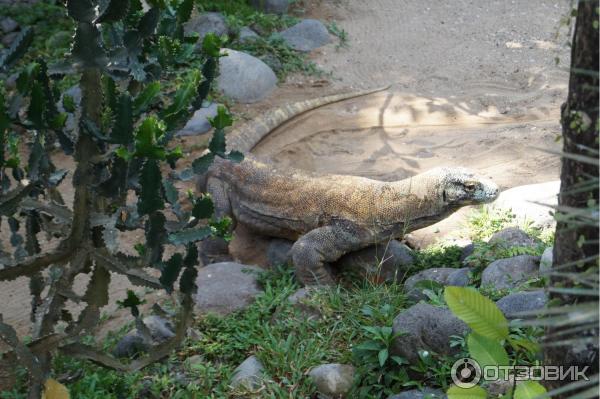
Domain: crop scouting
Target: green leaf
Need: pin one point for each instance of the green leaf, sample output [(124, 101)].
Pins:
[(146, 138), (529, 390), (114, 11), (146, 97), (173, 155), (217, 143), (487, 352), (170, 271), (382, 356), (211, 45), (122, 131), (526, 344), (187, 236), (222, 120), (81, 10), (149, 22), (370, 346), (156, 236), (191, 257), (171, 193), (203, 208), (479, 312), (182, 99), (201, 165), (132, 301), (59, 121), (27, 76), (150, 199), (235, 156), (184, 11), (429, 285), (476, 392), (123, 153), (68, 103)]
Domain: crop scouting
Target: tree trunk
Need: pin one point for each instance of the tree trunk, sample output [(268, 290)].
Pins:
[(576, 245)]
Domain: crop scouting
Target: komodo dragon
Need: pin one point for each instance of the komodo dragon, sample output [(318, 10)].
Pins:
[(331, 215)]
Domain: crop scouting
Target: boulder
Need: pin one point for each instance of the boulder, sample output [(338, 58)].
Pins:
[(425, 393), (271, 6), (9, 38), (510, 272), (245, 78), (386, 262), (532, 202), (160, 329), (199, 123), (298, 301), (7, 25), (512, 237), (205, 23), (546, 260), (248, 374), (226, 287), (425, 327), (247, 35), (214, 250), (306, 35), (130, 345), (333, 380), (442, 275), (517, 302)]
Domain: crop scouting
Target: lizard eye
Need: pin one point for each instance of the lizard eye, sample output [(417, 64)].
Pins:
[(470, 186)]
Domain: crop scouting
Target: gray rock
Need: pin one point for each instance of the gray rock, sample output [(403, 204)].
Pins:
[(388, 263), (532, 202), (160, 329), (546, 260), (273, 62), (442, 275), (247, 35), (425, 393), (306, 35), (226, 287), (278, 252), (214, 250), (9, 38), (130, 345), (205, 23), (245, 78), (512, 237), (72, 118), (271, 6), (425, 327), (522, 302), (199, 123), (334, 379), (510, 272), (248, 374), (8, 25), (298, 301)]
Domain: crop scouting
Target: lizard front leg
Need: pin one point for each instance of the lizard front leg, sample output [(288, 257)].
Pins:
[(323, 245)]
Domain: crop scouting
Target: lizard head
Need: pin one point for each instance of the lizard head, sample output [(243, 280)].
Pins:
[(460, 187)]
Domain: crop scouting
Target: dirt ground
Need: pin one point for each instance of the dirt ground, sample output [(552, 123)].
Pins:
[(472, 83)]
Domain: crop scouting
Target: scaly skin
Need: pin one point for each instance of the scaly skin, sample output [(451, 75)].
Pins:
[(331, 215)]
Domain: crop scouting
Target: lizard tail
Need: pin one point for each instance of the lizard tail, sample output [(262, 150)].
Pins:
[(245, 137)]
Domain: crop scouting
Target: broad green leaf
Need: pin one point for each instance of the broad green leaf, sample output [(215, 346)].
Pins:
[(222, 120), (429, 285), (170, 271), (203, 208), (479, 312), (54, 390), (171, 193), (372, 346), (146, 138), (486, 351), (526, 344), (184, 11), (182, 99), (382, 356), (211, 45), (201, 165), (476, 392), (529, 390), (59, 121), (114, 11), (122, 130), (146, 97), (81, 10), (187, 236), (150, 199), (173, 155)]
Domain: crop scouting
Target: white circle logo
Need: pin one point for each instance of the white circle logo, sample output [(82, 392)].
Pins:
[(466, 373)]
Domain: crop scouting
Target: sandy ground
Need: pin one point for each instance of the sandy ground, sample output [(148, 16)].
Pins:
[(473, 83)]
